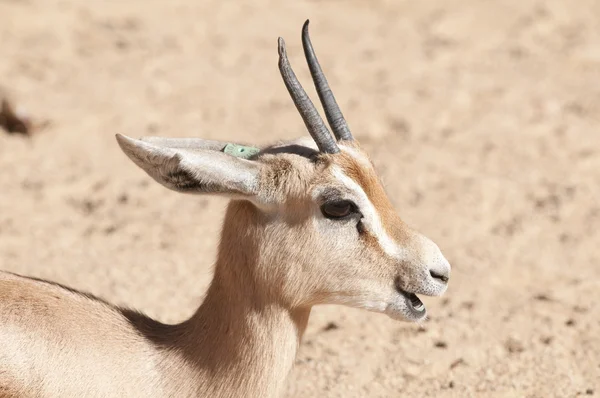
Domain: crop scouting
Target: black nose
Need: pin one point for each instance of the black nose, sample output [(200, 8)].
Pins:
[(435, 275)]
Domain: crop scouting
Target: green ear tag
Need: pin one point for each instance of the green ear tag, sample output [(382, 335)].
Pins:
[(240, 151)]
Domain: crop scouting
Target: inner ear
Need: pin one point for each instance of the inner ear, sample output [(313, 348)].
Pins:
[(195, 168)]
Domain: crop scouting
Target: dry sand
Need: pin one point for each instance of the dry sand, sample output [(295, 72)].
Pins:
[(482, 117)]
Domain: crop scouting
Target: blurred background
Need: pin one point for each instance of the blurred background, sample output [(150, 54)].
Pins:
[(481, 116)]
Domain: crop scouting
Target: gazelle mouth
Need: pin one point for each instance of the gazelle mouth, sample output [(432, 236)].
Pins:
[(413, 302)]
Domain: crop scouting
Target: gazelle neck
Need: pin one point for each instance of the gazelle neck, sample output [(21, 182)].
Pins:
[(241, 342)]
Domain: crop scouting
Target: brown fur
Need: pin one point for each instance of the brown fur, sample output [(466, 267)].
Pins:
[(370, 182)]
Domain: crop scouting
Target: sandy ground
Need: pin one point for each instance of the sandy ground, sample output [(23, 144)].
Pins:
[(482, 117)]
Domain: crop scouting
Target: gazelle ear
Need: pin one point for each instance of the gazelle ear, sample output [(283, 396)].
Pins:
[(183, 167)]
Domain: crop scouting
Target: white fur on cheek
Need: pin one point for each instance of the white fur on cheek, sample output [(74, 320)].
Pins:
[(371, 220)]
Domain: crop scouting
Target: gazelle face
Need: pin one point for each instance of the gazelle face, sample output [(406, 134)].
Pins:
[(344, 242), (316, 223)]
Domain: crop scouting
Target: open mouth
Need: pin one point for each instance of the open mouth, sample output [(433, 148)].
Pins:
[(414, 304)]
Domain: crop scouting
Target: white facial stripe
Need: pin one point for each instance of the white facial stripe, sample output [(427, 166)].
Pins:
[(372, 220)]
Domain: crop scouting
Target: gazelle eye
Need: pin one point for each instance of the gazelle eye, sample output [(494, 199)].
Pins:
[(339, 209)]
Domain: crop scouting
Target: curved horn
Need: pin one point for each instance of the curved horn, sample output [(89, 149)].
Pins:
[(332, 110), (309, 113)]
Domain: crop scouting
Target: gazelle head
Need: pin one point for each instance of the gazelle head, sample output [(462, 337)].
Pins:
[(311, 216)]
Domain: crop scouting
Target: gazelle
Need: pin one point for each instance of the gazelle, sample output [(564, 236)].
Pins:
[(308, 223)]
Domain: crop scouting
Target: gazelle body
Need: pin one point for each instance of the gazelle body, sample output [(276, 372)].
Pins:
[(309, 223)]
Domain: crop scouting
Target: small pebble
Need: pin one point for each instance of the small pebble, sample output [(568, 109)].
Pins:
[(441, 344), (331, 326)]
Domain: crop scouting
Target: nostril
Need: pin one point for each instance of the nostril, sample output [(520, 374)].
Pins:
[(435, 275)]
